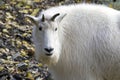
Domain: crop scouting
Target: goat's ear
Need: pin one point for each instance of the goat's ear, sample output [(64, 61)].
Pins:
[(33, 19)]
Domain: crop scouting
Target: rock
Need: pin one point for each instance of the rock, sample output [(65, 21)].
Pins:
[(22, 66), (3, 55), (4, 72), (18, 76), (18, 57)]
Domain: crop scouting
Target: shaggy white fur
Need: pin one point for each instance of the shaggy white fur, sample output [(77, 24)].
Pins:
[(85, 39)]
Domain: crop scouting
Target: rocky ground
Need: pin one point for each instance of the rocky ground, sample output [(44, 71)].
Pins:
[(16, 47)]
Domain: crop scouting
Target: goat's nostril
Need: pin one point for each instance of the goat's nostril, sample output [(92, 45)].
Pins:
[(49, 49)]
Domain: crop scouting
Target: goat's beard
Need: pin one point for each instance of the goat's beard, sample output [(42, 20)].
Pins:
[(48, 60)]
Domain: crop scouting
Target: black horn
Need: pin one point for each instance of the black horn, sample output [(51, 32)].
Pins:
[(43, 18), (53, 18)]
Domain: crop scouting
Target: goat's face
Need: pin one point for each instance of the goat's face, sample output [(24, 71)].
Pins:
[(49, 48), (46, 39)]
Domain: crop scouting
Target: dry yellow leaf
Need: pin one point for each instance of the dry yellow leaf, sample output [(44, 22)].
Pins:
[(40, 64), (35, 11), (27, 6), (1, 68), (37, 0), (8, 15), (27, 61), (23, 11), (5, 31), (30, 76), (25, 34), (2, 50), (23, 53), (7, 36), (19, 43)]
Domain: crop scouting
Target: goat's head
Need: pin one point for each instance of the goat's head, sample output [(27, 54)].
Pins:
[(46, 37)]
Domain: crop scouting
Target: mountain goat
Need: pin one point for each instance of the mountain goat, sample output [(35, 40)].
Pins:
[(79, 42)]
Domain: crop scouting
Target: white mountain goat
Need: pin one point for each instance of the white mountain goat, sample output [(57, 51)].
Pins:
[(79, 42)]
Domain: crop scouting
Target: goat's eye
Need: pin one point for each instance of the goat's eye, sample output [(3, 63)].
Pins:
[(40, 28), (55, 29)]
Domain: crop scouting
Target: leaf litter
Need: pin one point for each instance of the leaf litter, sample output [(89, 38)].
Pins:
[(16, 48)]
